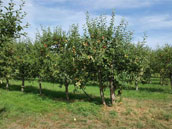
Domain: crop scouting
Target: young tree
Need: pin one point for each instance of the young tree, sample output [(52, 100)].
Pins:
[(69, 67), (117, 59), (7, 62), (42, 60), (10, 29), (164, 57), (24, 61), (94, 51), (48, 46), (138, 62), (104, 50), (66, 66), (149, 71)]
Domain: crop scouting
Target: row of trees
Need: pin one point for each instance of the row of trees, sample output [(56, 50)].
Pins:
[(104, 53)]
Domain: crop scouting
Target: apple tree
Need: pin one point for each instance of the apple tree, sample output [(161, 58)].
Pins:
[(164, 57), (10, 28), (24, 61)]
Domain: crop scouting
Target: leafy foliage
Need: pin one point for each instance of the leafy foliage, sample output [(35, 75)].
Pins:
[(10, 29), (103, 54)]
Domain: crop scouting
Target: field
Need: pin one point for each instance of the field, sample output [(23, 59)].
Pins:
[(150, 107)]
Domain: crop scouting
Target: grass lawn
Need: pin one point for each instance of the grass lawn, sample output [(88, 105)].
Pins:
[(150, 107)]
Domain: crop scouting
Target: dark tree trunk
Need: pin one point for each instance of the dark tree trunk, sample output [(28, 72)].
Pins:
[(101, 89), (40, 87), (86, 94), (67, 90), (112, 92), (7, 83), (22, 86), (136, 84), (102, 95)]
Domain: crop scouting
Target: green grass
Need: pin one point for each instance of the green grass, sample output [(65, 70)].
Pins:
[(151, 106)]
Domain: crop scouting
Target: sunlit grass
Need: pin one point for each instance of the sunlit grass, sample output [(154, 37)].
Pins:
[(80, 111)]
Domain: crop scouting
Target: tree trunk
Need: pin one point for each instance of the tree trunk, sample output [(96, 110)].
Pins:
[(136, 84), (40, 87), (101, 88), (7, 83), (150, 82), (102, 95), (22, 86), (171, 81), (86, 94), (112, 93), (161, 81), (67, 90)]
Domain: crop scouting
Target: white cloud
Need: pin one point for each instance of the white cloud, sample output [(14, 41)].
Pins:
[(65, 17), (53, 17), (40, 14), (155, 26), (154, 41), (152, 22), (157, 21), (159, 41), (106, 4)]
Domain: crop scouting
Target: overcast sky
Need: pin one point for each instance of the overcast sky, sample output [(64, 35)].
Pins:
[(153, 17)]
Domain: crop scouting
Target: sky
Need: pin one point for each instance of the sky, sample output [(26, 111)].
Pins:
[(150, 17)]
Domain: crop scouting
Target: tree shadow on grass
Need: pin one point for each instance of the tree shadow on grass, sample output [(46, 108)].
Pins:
[(56, 95), (156, 81), (147, 89), (2, 110)]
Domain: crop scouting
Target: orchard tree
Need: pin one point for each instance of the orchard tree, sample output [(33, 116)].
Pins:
[(11, 20), (159, 65), (54, 45), (104, 50), (151, 64), (66, 68), (164, 57), (42, 58), (24, 61), (10, 29), (94, 51), (138, 62), (118, 41), (7, 62), (69, 57), (63, 64)]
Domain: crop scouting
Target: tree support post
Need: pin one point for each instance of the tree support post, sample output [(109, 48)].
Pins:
[(7, 83), (22, 86), (67, 90), (40, 87), (112, 92), (136, 84)]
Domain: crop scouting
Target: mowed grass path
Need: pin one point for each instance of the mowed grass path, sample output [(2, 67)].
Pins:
[(150, 107)]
